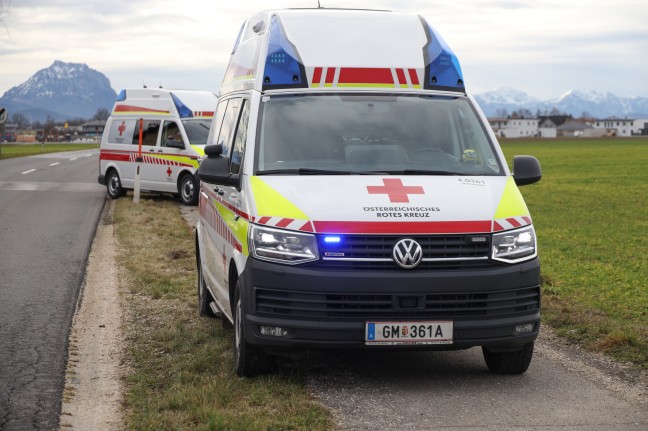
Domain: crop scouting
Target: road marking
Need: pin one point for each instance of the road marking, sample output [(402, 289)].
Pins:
[(29, 171), (73, 159), (54, 164), (49, 186)]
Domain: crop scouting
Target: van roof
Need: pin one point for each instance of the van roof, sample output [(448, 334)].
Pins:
[(341, 48), (164, 102)]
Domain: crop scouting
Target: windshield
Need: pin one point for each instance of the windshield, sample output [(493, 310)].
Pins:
[(197, 131), (355, 134)]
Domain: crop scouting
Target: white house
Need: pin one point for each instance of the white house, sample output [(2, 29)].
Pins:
[(623, 127), (514, 127)]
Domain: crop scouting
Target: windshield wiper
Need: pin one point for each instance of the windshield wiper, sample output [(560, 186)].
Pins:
[(303, 171), (423, 172)]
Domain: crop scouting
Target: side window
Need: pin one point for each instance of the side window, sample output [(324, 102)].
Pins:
[(121, 131), (149, 132), (171, 132), (217, 123), (229, 124), (238, 149)]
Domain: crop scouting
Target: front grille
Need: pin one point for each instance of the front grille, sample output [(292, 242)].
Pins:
[(280, 303), (374, 252)]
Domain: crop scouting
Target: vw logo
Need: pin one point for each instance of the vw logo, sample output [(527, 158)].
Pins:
[(407, 253)]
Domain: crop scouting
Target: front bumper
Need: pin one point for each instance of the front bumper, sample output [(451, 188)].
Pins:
[(328, 309)]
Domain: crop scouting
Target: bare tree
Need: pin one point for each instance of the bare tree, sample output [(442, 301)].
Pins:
[(21, 120), (4, 10)]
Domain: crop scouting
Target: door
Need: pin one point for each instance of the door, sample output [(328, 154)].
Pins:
[(150, 138), (218, 239)]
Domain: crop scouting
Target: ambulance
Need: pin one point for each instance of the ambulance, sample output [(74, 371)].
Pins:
[(353, 195), (174, 126)]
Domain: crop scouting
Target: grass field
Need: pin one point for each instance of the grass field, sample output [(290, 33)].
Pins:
[(8, 151), (591, 215), (182, 368)]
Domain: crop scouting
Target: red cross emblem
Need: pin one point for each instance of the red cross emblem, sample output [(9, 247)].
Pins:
[(121, 128), (169, 171), (394, 188)]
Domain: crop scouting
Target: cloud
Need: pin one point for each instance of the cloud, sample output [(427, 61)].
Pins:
[(168, 41)]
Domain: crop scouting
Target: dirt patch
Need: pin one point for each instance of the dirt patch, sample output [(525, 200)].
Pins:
[(93, 382)]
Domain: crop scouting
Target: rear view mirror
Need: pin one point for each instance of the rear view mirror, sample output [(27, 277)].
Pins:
[(215, 168), (526, 170)]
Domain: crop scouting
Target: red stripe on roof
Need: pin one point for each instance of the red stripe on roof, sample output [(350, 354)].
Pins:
[(365, 75), (130, 108), (400, 73), (330, 74), (413, 76), (317, 75), (380, 227)]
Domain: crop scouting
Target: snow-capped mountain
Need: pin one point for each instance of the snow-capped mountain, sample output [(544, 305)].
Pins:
[(62, 91), (597, 104)]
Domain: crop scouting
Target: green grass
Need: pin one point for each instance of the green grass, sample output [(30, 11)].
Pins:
[(9, 151), (182, 375), (591, 215)]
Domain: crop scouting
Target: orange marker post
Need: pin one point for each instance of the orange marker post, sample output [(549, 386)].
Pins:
[(138, 160)]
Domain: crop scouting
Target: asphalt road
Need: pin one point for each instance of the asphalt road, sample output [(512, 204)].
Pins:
[(49, 209)]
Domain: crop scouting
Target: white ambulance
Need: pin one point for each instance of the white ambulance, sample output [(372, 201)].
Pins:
[(174, 127), (354, 196)]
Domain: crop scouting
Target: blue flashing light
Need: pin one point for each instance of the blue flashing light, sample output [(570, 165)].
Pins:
[(283, 66), (121, 96), (332, 239), (181, 107), (442, 69)]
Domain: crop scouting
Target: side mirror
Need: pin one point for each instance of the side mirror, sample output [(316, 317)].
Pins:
[(215, 168), (526, 170), (172, 143)]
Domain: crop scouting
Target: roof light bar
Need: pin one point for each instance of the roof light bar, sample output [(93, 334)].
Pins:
[(283, 66), (183, 110), (442, 69)]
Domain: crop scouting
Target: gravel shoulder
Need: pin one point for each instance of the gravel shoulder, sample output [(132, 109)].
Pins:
[(94, 377)]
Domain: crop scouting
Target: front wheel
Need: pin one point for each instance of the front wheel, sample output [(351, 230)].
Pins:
[(188, 190), (249, 360), (113, 185), (516, 362)]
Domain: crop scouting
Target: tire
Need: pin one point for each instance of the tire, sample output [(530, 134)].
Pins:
[(204, 297), (113, 185), (188, 190), (516, 362), (249, 360)]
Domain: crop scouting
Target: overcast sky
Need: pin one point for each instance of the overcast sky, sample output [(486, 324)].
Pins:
[(542, 47)]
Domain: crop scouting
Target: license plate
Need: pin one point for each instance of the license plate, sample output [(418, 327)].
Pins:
[(400, 333)]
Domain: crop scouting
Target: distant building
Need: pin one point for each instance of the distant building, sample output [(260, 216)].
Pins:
[(514, 127), (92, 128), (623, 127), (548, 124)]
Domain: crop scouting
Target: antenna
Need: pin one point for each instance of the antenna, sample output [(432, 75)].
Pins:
[(318, 4), (143, 84)]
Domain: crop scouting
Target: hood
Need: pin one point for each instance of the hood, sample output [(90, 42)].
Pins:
[(388, 204)]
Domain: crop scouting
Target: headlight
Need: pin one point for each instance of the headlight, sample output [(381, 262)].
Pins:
[(515, 245), (282, 246)]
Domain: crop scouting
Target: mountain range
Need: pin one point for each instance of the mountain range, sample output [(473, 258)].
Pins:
[(63, 91), (66, 91), (597, 104)]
